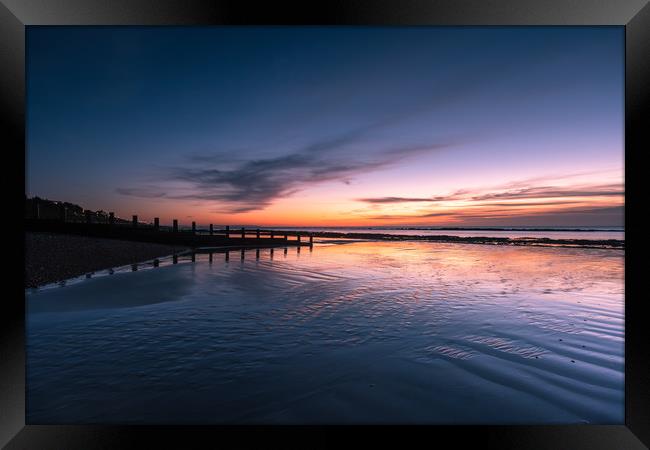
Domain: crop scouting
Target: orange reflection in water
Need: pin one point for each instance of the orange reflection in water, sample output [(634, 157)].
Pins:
[(545, 271)]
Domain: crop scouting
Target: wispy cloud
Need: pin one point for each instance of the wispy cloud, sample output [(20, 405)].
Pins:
[(144, 192), (394, 199), (535, 198), (608, 215), (439, 198), (554, 191), (529, 192), (248, 185)]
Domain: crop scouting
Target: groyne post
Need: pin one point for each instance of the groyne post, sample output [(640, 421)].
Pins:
[(156, 223), (298, 235), (36, 208), (211, 232), (135, 221), (258, 233), (87, 212), (111, 218), (311, 240), (227, 231), (243, 233), (63, 212), (175, 225), (193, 227)]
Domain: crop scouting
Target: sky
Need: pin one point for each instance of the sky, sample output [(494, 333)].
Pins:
[(330, 126)]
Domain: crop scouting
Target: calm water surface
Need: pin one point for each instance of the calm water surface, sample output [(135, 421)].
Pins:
[(591, 234), (364, 332)]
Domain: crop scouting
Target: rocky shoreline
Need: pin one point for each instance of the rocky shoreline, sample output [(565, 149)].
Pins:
[(546, 242), (51, 257)]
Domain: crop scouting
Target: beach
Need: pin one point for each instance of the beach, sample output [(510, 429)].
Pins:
[(51, 257), (346, 332)]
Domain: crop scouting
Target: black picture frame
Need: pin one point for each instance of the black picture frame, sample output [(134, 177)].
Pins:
[(634, 15)]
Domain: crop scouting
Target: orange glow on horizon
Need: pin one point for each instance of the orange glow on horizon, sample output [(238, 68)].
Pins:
[(364, 203)]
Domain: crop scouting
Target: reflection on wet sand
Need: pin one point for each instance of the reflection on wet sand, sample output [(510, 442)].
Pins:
[(364, 332)]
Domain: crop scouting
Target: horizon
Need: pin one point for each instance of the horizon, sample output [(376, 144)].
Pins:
[(331, 127)]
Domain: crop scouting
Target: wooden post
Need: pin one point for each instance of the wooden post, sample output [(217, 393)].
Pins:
[(175, 225), (134, 267), (257, 254), (227, 255), (175, 259), (210, 258), (271, 252), (63, 212), (311, 239), (211, 233), (298, 239), (227, 231), (258, 233), (156, 263), (286, 237), (87, 216), (242, 254), (156, 223), (193, 227), (243, 233), (193, 257), (135, 221), (37, 208), (285, 251), (111, 218), (272, 234)]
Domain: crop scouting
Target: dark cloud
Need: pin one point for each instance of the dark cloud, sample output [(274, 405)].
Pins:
[(460, 194), (542, 203), (254, 184), (572, 216), (397, 216), (394, 199), (553, 191), (529, 192), (144, 192)]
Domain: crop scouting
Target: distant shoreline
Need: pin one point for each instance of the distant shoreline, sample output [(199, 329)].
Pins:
[(540, 242), (424, 228)]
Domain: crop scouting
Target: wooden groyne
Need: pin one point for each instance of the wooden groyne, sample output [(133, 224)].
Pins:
[(172, 235)]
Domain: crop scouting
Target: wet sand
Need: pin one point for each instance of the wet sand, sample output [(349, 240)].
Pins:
[(357, 333), (51, 257)]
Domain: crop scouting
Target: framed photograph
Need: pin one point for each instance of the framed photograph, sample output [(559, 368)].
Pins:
[(329, 218)]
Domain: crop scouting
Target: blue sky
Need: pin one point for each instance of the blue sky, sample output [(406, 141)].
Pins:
[(281, 125)]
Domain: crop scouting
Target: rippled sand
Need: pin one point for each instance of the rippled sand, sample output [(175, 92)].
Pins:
[(359, 332)]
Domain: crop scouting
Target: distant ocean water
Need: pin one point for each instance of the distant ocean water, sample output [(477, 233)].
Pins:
[(590, 233)]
